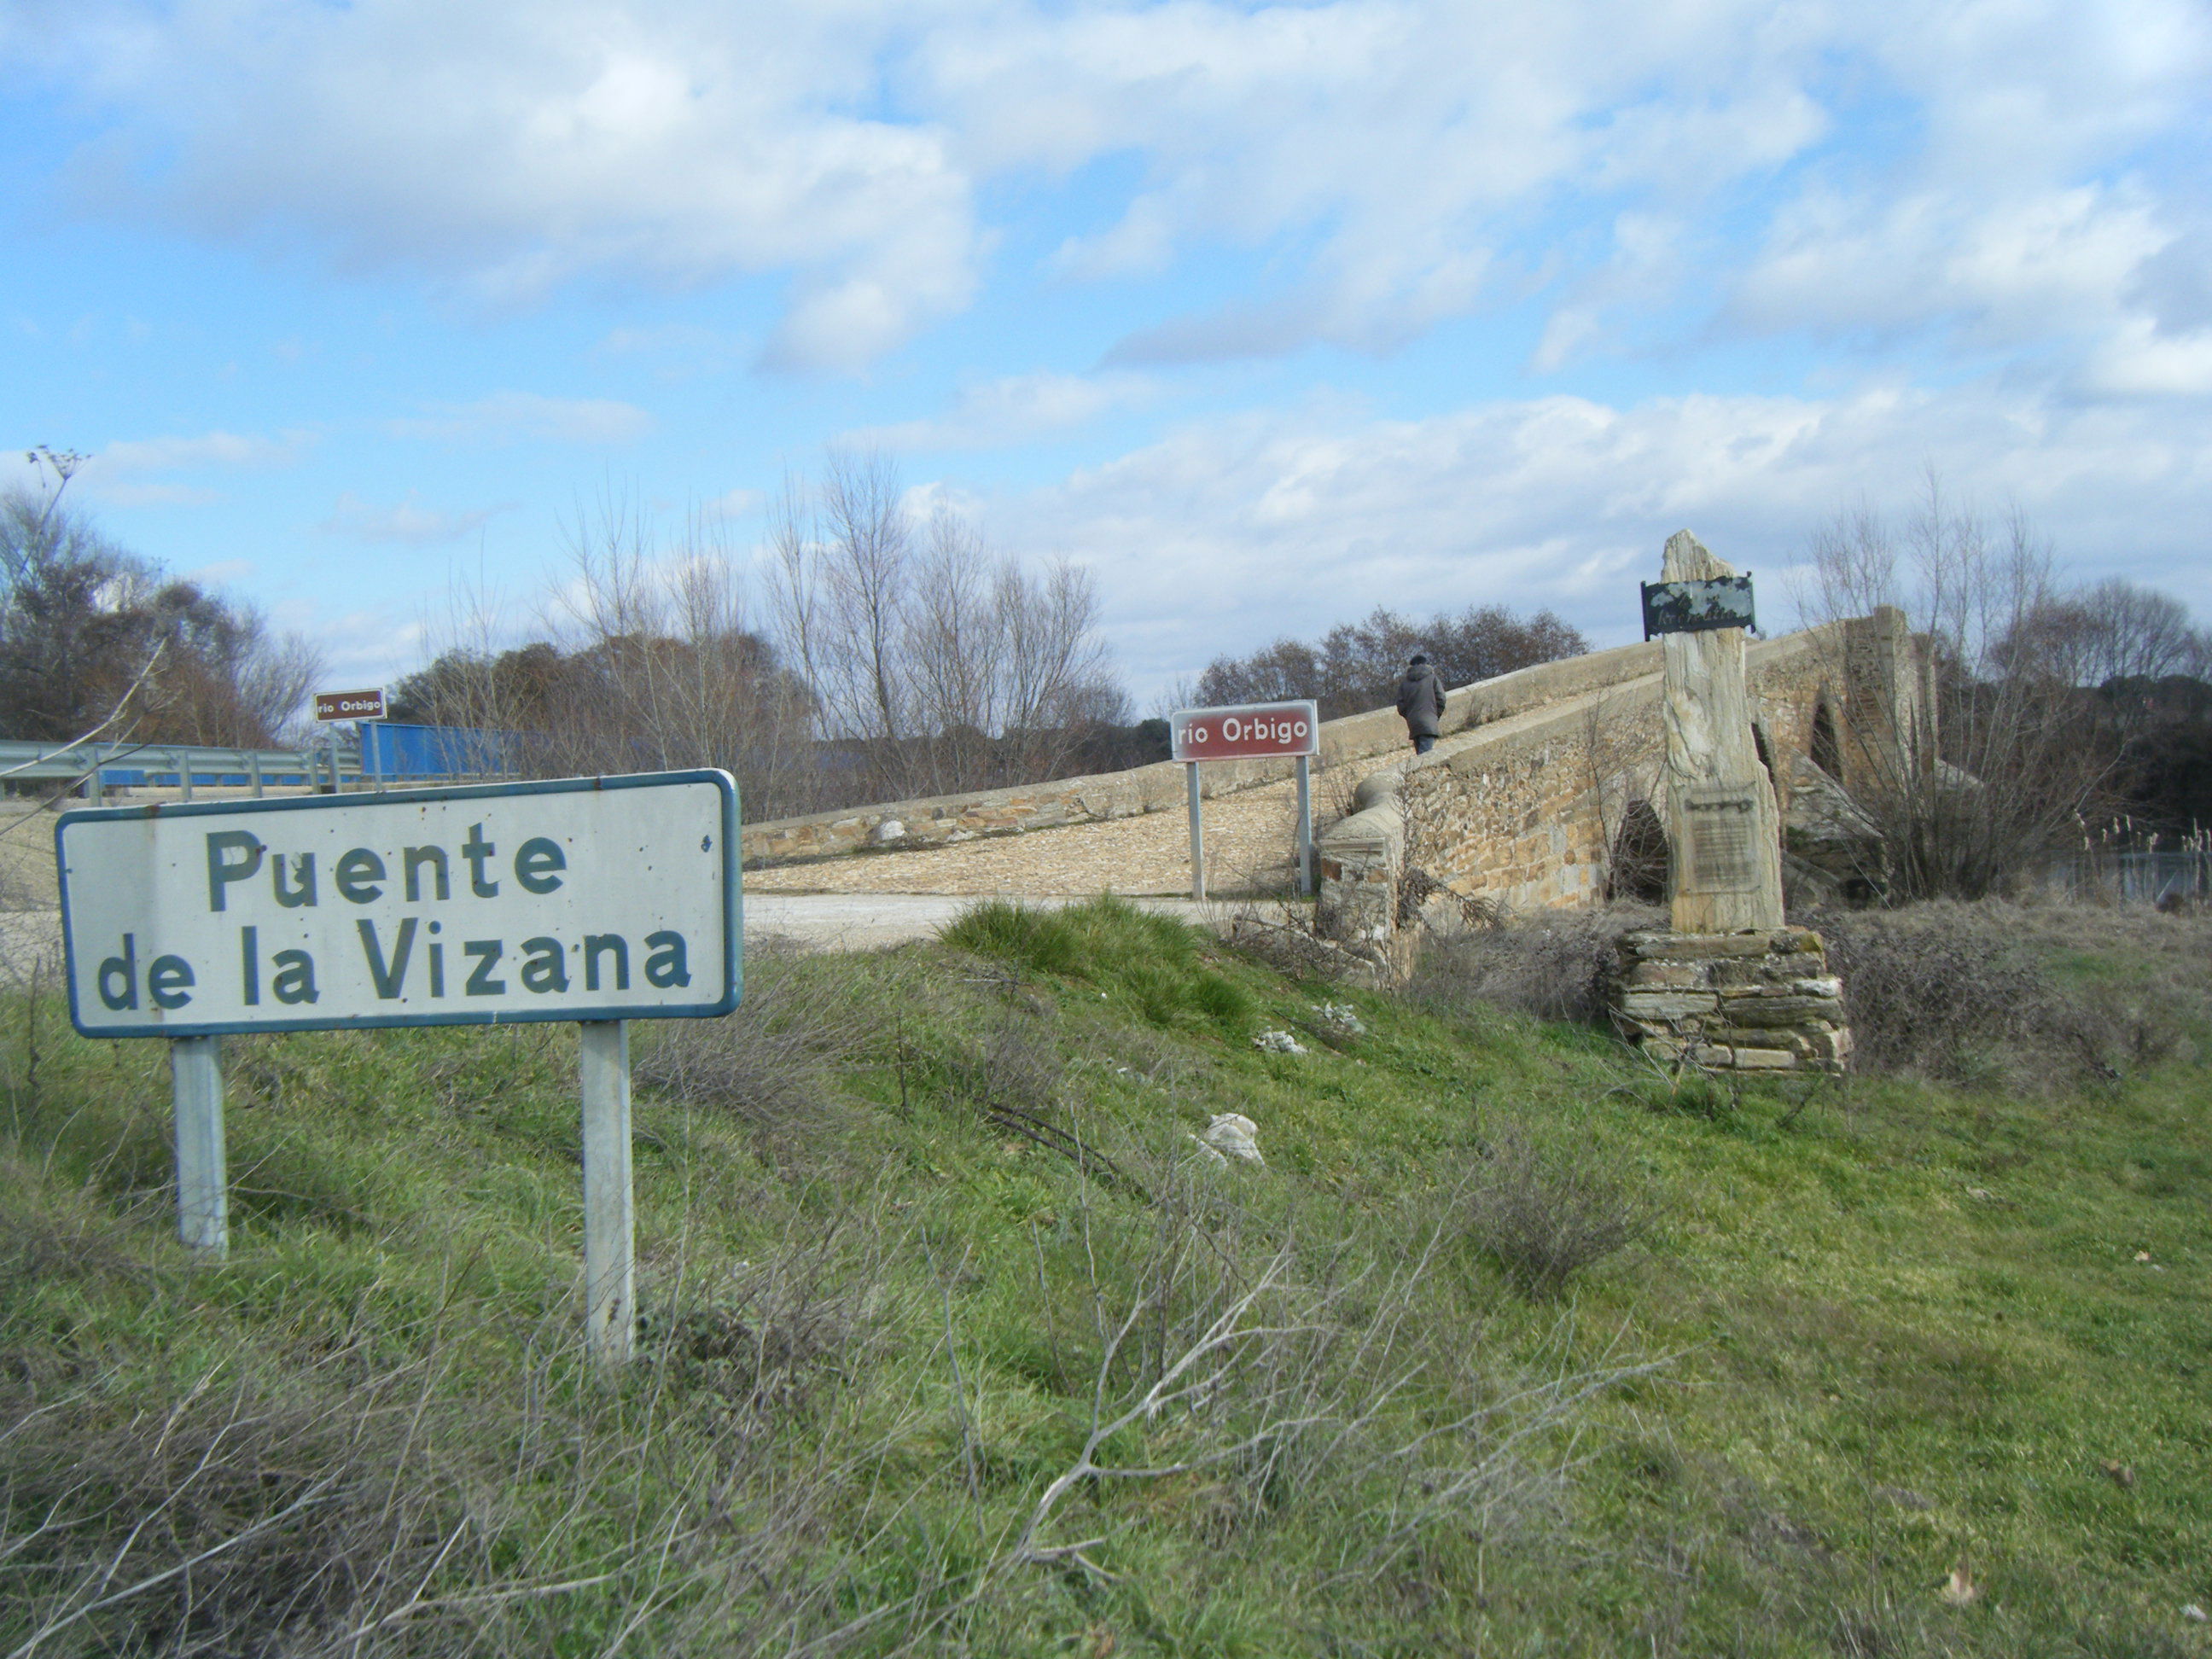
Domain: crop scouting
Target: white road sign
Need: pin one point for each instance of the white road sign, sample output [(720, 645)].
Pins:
[(585, 899)]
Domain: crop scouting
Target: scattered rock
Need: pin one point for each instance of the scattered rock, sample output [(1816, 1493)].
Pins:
[(1278, 1043), (1960, 1588), (1230, 1135), (2122, 1474), (1905, 1497), (2191, 1611), (889, 830), (1341, 1018)]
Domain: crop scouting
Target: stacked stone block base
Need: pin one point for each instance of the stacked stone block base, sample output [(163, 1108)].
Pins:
[(1748, 1002)]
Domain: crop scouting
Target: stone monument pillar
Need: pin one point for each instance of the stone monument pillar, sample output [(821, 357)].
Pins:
[(1729, 987), (1723, 825)]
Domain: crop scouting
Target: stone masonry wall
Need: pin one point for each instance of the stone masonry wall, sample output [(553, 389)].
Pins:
[(942, 819), (1521, 809), (1760, 1001)]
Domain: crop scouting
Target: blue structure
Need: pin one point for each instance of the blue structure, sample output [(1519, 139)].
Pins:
[(390, 750)]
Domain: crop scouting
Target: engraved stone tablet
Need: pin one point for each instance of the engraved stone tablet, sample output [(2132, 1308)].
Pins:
[(1722, 825)]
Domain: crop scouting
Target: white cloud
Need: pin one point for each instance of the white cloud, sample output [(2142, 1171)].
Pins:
[(2001, 274), (506, 416), (510, 148), (733, 504), (210, 449), (1013, 408), (1385, 164), (116, 475), (2138, 360), (365, 647), (408, 521), (1231, 532)]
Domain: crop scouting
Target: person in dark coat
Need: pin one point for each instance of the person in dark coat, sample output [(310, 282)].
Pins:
[(1421, 700)]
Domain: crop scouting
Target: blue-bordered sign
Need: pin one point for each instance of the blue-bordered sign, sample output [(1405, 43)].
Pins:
[(1694, 607), (576, 899)]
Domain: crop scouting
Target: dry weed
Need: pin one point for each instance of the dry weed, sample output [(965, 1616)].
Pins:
[(1554, 965), (772, 1061), (1545, 1215), (1967, 993)]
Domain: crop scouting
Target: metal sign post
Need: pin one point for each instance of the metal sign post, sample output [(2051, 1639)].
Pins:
[(203, 1191), (609, 1220), (594, 900), (1265, 731), (359, 707), (1305, 826), (1197, 834)]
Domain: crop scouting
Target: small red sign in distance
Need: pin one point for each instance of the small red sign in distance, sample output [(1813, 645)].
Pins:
[(349, 705), (1260, 731)]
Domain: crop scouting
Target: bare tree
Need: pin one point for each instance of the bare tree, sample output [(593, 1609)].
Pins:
[(1972, 759), (951, 638), (651, 666), (2114, 632), (1355, 666), (87, 626), (940, 666), (867, 569)]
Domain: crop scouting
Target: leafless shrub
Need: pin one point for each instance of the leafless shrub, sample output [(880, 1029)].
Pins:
[(772, 1061), (1545, 1214), (1292, 947), (1283, 1369), (1417, 887), (1015, 1066), (235, 1519), (1942, 990), (763, 1337), (1965, 993), (1552, 964)]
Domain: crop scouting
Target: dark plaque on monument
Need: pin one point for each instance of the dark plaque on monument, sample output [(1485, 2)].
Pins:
[(1721, 823), (1695, 606)]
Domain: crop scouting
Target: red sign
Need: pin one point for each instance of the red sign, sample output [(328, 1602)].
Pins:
[(349, 705), (1255, 732)]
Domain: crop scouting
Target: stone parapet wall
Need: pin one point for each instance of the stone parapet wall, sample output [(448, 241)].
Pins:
[(1747, 1002), (1362, 867), (939, 820)]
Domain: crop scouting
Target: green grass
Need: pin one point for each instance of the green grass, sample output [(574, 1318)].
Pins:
[(1869, 1338)]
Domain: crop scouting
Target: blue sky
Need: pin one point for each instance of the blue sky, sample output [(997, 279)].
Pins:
[(1267, 314)]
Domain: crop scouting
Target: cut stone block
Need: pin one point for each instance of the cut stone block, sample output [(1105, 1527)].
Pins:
[(1782, 1011), (1765, 1060), (1667, 1005)]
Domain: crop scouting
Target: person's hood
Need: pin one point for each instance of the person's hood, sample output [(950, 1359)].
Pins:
[(1421, 670)]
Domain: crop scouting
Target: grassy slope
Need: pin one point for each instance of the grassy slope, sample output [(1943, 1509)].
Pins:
[(1904, 1329)]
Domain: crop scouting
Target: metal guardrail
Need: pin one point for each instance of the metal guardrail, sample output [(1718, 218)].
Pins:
[(103, 766)]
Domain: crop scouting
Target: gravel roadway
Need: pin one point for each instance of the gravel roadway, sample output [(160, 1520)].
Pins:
[(876, 899)]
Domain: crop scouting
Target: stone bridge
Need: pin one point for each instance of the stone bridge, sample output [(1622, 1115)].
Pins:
[(1530, 807), (1538, 795)]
